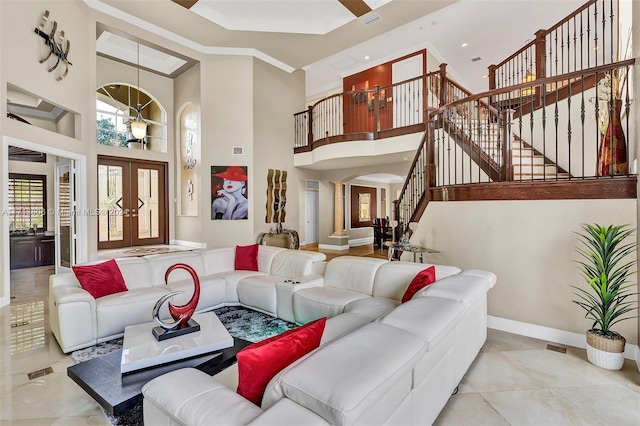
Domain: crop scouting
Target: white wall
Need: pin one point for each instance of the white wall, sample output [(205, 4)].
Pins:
[(530, 246)]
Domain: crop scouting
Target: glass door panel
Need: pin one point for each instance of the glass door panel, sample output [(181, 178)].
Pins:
[(65, 242), (132, 203), (150, 204)]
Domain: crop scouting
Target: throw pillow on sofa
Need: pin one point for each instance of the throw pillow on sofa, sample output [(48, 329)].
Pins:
[(101, 279), (259, 362), (246, 258), (421, 280)]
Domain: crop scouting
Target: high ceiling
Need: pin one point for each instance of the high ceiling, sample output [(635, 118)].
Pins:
[(329, 42)]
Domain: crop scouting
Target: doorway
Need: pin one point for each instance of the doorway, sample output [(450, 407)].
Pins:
[(80, 247), (132, 202), (311, 212), (409, 97)]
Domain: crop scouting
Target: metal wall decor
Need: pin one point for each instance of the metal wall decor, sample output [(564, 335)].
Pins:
[(56, 47)]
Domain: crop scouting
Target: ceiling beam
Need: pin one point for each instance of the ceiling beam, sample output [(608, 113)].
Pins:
[(185, 3), (357, 7)]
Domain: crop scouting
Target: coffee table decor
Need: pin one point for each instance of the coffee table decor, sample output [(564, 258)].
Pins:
[(183, 323)]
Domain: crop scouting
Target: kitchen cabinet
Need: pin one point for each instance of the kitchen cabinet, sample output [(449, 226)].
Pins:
[(32, 250)]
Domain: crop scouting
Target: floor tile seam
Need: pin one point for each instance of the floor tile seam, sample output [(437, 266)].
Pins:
[(492, 406), (555, 393)]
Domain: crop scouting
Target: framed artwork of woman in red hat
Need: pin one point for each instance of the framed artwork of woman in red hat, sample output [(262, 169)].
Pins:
[(229, 193)]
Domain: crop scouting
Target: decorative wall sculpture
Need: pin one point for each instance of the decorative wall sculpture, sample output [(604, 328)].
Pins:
[(276, 196), (229, 193), (189, 155), (56, 47)]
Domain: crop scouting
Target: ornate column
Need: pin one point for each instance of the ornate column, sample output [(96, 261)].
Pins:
[(338, 210)]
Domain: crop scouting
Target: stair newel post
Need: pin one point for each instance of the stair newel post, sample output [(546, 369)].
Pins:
[(443, 91), (492, 77), (541, 63), (505, 140), (396, 217), (376, 111), (430, 178), (310, 130)]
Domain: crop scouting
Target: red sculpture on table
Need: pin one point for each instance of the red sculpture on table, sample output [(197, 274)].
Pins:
[(181, 315)]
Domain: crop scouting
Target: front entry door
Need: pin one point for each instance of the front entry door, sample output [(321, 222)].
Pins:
[(132, 202)]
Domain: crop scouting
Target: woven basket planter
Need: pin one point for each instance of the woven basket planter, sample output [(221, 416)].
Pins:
[(604, 351)]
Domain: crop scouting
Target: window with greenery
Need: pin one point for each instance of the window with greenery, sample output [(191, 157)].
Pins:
[(116, 104), (27, 201)]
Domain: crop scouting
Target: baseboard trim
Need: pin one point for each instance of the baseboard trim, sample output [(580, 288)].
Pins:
[(332, 247), (553, 335), (360, 241), (188, 244)]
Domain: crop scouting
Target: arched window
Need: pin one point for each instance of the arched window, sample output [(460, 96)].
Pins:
[(116, 104)]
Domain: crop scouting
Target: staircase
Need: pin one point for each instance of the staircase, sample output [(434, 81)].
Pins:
[(528, 163)]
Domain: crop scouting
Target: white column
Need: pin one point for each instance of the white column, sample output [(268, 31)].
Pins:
[(338, 210)]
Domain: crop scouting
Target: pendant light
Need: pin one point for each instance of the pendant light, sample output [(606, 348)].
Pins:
[(138, 124)]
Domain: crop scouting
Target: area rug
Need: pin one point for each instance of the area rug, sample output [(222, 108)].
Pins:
[(240, 322)]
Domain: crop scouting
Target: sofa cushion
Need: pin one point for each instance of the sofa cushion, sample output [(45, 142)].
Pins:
[(350, 390), (352, 273), (461, 287), (259, 292), (160, 263), (136, 271), (213, 292), (429, 318), (116, 311), (266, 254), (317, 302), (291, 264), (371, 307), (195, 398), (421, 280), (100, 279), (218, 260), (259, 362), (246, 258), (232, 278)]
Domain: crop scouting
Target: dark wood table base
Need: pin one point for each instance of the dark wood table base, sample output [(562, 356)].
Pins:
[(101, 378)]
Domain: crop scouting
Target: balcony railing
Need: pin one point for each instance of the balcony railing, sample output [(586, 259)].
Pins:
[(368, 114)]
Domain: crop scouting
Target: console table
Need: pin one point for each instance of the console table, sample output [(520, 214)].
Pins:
[(416, 250)]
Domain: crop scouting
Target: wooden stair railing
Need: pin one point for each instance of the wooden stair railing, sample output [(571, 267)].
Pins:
[(424, 182)]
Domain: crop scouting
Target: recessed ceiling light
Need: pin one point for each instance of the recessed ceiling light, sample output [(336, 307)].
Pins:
[(485, 76), (366, 58), (464, 44)]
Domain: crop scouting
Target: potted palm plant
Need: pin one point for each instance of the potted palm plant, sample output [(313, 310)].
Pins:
[(609, 295)]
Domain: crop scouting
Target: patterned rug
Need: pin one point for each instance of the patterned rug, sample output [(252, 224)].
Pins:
[(241, 322)]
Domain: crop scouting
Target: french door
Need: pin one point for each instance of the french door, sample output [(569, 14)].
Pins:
[(132, 203), (65, 204)]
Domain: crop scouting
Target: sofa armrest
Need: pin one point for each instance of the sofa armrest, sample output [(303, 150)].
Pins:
[(285, 290), (318, 268), (200, 400), (72, 316)]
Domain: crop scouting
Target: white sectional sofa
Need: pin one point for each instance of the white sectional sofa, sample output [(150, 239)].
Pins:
[(78, 320), (380, 362)]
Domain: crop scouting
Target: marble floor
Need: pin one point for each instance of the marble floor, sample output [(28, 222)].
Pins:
[(514, 381)]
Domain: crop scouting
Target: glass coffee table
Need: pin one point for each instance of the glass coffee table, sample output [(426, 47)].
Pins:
[(416, 250), (103, 379)]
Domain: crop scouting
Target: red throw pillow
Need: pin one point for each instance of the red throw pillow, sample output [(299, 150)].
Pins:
[(100, 279), (423, 279), (247, 258), (259, 362)]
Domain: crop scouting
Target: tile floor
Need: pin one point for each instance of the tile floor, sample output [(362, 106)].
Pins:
[(515, 380)]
